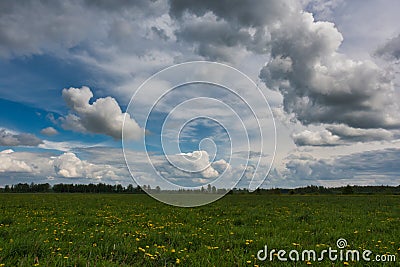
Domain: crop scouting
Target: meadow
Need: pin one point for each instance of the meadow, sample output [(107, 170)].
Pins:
[(135, 230)]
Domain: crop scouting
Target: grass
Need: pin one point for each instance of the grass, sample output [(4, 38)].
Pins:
[(135, 230)]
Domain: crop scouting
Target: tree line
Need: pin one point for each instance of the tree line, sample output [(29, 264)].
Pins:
[(71, 188), (131, 189)]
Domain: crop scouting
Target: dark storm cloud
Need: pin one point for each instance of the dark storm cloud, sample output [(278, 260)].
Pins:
[(21, 139)]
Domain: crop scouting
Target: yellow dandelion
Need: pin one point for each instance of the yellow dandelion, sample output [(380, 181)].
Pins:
[(346, 263), (178, 261), (173, 250), (248, 262), (308, 262)]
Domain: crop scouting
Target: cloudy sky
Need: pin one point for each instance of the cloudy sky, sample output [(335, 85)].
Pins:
[(328, 69)]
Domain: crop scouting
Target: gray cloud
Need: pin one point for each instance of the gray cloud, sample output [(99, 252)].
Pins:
[(316, 138), (320, 85), (31, 27), (49, 131), (360, 135), (221, 33), (19, 139), (322, 9), (333, 135), (370, 167), (246, 13), (391, 49), (104, 116)]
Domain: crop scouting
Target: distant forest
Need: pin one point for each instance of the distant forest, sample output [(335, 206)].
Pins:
[(131, 189)]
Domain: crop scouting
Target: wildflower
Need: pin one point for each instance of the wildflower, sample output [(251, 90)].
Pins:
[(248, 262), (346, 263), (142, 249), (308, 263), (178, 261), (173, 250)]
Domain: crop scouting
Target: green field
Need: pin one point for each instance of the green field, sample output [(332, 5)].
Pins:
[(135, 230)]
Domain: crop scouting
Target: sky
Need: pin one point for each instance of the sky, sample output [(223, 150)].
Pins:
[(97, 91)]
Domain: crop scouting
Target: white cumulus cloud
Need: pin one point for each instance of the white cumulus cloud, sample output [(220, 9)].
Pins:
[(104, 116)]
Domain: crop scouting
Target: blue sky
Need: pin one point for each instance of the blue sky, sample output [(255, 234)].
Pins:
[(328, 69)]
